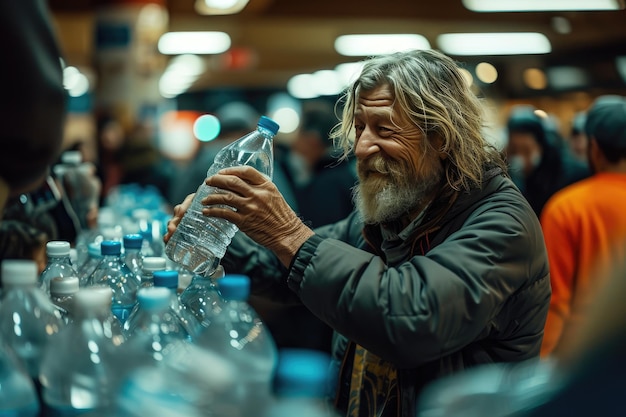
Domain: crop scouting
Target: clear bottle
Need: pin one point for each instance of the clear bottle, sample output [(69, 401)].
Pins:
[(107, 228), (113, 273), (28, 318), (81, 371), (151, 264), (58, 265), (155, 326), (90, 264), (80, 185), (199, 242), (133, 257), (238, 334), (169, 279), (202, 300), (18, 397), (62, 291)]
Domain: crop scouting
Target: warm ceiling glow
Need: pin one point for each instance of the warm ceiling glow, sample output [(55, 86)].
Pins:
[(486, 72), (219, 7), (201, 43), (540, 5), (367, 45), (494, 43), (535, 78)]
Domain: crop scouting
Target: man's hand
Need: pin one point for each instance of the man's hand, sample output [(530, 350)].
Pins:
[(260, 211)]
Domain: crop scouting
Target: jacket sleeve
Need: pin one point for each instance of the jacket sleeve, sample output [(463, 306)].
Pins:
[(432, 305)]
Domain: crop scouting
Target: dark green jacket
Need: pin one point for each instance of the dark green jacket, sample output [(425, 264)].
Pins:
[(479, 293)]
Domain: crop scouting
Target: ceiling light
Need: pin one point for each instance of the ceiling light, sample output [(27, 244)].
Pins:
[(494, 43), (367, 45), (220, 7), (486, 72), (535, 78), (174, 43), (540, 5)]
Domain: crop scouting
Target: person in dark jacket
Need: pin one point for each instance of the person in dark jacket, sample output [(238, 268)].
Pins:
[(32, 109), (441, 267)]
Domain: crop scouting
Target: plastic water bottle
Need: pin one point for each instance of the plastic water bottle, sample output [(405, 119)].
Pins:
[(58, 265), (80, 184), (82, 369), (27, 316), (155, 326), (238, 334), (112, 272), (301, 384), (199, 242), (133, 257), (18, 397), (91, 263), (151, 264), (202, 300), (107, 228), (62, 291), (169, 279)]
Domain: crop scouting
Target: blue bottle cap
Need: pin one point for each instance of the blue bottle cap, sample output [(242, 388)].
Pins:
[(110, 247), (133, 241), (167, 279), (234, 287), (267, 123), (302, 373), (153, 298)]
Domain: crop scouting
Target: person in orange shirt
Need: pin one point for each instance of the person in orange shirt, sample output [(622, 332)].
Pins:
[(584, 224)]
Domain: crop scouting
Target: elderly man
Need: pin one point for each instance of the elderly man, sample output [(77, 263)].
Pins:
[(442, 266)]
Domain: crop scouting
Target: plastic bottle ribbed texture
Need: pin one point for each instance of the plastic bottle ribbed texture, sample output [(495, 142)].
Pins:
[(202, 300), (58, 264), (238, 334), (28, 318), (82, 369), (62, 292), (113, 273), (199, 242)]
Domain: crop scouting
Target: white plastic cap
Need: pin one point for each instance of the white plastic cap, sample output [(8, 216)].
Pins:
[(71, 157), (154, 263), (58, 248), (93, 298), (63, 285), (19, 272), (141, 214)]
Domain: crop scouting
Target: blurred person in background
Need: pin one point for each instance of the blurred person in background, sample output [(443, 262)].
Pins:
[(583, 223), (537, 163), (441, 267), (110, 137), (578, 141), (33, 105)]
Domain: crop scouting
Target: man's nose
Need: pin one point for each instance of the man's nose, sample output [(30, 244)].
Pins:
[(366, 144)]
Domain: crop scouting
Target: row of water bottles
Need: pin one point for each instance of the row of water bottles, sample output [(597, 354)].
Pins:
[(201, 352)]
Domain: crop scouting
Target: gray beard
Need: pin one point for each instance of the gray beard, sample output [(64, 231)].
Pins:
[(394, 201)]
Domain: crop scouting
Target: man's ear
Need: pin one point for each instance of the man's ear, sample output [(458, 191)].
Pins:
[(437, 143)]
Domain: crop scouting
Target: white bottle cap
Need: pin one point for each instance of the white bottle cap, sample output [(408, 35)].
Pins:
[(93, 298), (58, 248), (71, 157), (154, 263), (19, 272), (63, 285)]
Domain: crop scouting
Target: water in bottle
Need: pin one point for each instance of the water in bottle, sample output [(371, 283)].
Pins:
[(155, 326), (202, 300), (18, 397), (169, 279), (82, 369), (150, 265), (90, 264), (199, 242), (58, 265), (133, 257), (28, 318), (113, 273), (80, 185), (238, 334), (62, 292)]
